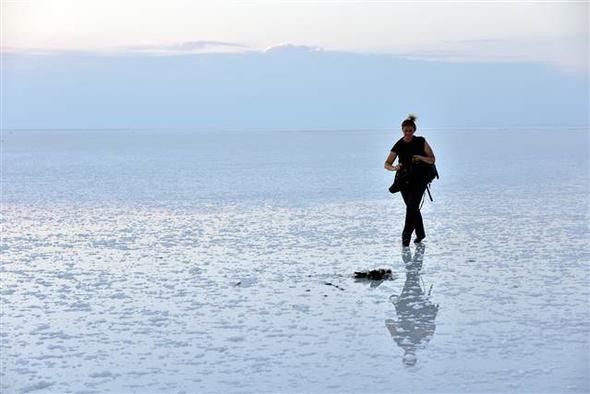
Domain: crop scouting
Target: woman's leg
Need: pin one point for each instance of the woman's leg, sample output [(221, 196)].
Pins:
[(412, 197), (410, 221)]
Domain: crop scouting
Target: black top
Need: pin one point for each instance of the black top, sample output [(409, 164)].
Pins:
[(405, 150)]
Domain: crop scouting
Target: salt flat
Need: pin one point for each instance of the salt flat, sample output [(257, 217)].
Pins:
[(179, 261)]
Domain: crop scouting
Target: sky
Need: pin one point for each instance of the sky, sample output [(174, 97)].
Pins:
[(547, 31), (293, 64)]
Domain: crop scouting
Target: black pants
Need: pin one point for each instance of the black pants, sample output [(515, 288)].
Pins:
[(412, 195)]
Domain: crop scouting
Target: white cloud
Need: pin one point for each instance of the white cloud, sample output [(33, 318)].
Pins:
[(473, 31), (200, 46), (147, 48), (568, 54), (292, 48)]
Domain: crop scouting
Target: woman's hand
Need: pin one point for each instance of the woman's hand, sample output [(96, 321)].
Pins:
[(397, 168), (417, 158), (389, 161)]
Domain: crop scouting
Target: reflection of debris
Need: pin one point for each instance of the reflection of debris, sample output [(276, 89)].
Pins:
[(378, 274), (238, 283), (332, 284)]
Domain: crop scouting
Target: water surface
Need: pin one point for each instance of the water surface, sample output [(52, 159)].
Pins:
[(199, 261)]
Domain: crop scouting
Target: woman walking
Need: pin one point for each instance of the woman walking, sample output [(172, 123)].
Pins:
[(411, 150)]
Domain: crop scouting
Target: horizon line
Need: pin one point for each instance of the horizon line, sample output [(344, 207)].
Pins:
[(278, 129)]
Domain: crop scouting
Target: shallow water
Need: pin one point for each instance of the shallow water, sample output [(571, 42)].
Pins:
[(171, 261)]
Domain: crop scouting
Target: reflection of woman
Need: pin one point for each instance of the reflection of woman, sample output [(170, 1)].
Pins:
[(415, 325), (411, 150)]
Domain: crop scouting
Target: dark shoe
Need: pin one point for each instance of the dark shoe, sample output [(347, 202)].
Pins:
[(406, 244), (418, 240)]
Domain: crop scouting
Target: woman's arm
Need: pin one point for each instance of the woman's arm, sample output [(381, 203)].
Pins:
[(429, 158), (389, 162)]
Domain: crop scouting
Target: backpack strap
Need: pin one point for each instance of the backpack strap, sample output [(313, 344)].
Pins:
[(428, 190), (429, 195)]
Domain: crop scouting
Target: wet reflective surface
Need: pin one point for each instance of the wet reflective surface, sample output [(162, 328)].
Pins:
[(115, 279)]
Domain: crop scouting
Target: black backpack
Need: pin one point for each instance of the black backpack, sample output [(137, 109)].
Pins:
[(423, 171)]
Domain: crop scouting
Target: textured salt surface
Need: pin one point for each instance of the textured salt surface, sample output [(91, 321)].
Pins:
[(169, 295)]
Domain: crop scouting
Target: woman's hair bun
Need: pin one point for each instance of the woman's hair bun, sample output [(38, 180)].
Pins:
[(410, 121)]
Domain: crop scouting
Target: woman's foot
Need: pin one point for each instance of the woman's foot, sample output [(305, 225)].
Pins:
[(418, 240)]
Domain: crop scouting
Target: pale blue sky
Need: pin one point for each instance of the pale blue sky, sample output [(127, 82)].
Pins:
[(547, 31), (293, 64)]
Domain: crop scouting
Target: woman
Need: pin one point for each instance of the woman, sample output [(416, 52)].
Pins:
[(411, 149)]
